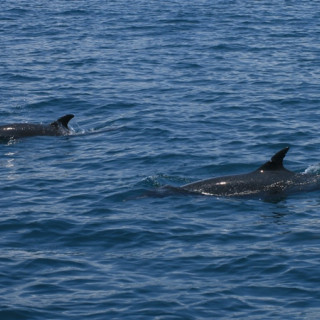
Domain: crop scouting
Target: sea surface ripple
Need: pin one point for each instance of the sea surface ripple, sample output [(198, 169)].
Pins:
[(164, 93)]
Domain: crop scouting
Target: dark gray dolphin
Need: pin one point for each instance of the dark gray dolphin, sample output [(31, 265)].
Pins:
[(20, 130), (270, 179)]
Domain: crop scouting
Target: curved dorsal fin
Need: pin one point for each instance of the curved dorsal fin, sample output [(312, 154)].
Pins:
[(63, 121), (276, 162)]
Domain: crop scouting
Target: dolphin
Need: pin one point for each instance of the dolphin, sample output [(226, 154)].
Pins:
[(268, 180), (21, 130)]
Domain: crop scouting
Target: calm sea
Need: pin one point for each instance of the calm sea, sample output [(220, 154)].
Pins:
[(164, 93)]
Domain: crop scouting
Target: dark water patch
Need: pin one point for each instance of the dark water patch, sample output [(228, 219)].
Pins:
[(21, 78), (21, 313), (74, 13)]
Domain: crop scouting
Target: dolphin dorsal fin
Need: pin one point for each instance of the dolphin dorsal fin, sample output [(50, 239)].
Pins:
[(276, 162), (63, 121)]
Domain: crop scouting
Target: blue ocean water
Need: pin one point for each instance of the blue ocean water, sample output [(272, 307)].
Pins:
[(164, 93)]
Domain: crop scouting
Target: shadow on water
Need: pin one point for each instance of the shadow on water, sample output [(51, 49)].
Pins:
[(144, 193)]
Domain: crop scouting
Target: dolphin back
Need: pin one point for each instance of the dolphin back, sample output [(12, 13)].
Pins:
[(20, 130), (271, 177), (276, 162), (63, 121)]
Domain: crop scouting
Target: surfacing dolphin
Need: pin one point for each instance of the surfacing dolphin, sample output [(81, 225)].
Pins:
[(268, 180), (21, 130)]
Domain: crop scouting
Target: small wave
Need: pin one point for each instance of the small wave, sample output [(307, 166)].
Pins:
[(161, 180), (157, 186), (315, 169), (78, 131)]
